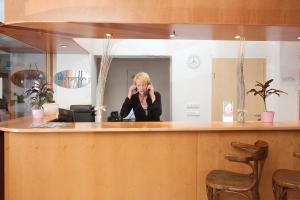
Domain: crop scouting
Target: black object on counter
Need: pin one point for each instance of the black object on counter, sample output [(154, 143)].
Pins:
[(83, 113), (114, 117), (64, 115)]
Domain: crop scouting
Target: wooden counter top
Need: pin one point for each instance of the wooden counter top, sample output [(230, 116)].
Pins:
[(24, 125)]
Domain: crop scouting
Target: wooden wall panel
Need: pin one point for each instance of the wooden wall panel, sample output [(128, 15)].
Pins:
[(132, 166), (90, 166), (255, 12)]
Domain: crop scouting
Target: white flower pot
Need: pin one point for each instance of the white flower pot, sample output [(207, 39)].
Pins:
[(37, 113)]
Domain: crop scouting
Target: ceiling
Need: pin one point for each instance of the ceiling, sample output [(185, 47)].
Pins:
[(49, 37), (10, 45)]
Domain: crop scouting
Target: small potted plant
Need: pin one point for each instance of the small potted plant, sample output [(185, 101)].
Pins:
[(264, 92), (20, 98), (38, 95), (19, 104)]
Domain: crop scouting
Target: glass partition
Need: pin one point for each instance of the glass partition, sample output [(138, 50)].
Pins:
[(20, 64), (190, 96)]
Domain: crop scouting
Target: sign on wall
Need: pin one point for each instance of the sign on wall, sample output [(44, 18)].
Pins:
[(72, 79), (25, 78)]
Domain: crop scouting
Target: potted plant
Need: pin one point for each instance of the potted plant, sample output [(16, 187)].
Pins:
[(19, 104), (38, 95), (264, 92), (20, 98)]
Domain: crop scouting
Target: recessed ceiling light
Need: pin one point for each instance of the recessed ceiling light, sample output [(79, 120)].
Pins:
[(237, 37), (172, 35), (63, 46), (108, 34), (298, 38)]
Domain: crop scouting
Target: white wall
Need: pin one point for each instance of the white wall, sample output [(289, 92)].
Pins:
[(65, 96), (1, 10), (289, 81), (194, 85)]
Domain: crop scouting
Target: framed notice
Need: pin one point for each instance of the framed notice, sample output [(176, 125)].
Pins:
[(227, 111)]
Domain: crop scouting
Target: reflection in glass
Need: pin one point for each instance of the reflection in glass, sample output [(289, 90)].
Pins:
[(19, 63)]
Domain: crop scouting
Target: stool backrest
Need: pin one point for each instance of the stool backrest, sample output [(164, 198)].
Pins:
[(297, 154), (256, 156), (260, 157)]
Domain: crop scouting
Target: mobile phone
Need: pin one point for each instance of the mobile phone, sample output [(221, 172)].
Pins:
[(148, 90)]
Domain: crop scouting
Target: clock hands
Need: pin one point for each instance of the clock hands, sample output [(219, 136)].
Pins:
[(194, 61)]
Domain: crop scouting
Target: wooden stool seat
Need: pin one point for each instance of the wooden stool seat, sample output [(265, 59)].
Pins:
[(284, 180), (227, 180), (287, 178)]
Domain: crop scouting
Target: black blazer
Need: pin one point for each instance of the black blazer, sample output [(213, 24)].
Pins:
[(154, 109)]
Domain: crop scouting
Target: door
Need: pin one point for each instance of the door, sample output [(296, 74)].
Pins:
[(224, 83)]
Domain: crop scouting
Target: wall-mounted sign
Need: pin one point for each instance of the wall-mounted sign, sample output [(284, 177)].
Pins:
[(72, 78), (20, 78)]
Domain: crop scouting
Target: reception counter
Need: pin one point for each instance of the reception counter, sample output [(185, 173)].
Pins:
[(133, 160)]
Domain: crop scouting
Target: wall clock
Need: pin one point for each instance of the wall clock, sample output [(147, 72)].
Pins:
[(193, 61)]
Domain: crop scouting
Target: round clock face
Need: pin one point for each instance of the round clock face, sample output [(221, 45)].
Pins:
[(193, 61)]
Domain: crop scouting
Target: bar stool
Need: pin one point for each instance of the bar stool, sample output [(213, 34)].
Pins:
[(284, 180), (246, 185)]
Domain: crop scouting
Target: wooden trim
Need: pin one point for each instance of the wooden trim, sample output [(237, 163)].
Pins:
[(161, 31), (254, 12), (41, 41), (49, 68), (23, 124)]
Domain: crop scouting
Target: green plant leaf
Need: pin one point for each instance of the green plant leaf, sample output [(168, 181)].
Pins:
[(39, 94)]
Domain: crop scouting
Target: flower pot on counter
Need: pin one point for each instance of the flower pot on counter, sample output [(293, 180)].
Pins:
[(267, 117), (37, 113)]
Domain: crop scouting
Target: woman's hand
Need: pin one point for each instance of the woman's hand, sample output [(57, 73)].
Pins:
[(150, 88), (131, 91)]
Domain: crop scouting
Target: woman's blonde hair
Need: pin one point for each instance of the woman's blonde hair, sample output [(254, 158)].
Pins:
[(142, 76)]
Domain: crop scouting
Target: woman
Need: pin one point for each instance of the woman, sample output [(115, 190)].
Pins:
[(145, 102)]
